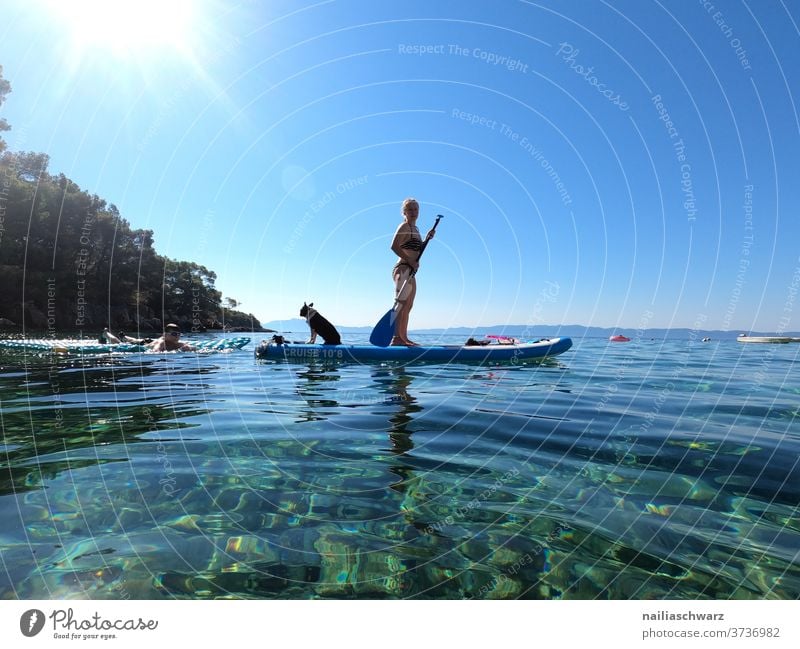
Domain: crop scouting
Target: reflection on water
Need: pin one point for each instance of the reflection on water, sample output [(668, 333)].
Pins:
[(215, 476), (395, 383)]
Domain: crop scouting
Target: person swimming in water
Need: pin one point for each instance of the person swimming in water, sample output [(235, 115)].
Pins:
[(171, 341)]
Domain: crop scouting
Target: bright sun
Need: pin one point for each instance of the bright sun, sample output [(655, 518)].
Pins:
[(126, 27)]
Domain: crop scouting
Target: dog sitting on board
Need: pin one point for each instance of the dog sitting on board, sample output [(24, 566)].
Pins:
[(319, 325)]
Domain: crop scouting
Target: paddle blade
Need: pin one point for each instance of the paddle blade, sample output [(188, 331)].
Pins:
[(383, 332)]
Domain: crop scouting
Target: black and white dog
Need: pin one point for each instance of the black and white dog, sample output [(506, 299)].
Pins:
[(319, 325)]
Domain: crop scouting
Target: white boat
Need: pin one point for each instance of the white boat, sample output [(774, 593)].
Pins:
[(765, 339)]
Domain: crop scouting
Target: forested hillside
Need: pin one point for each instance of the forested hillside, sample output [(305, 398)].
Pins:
[(70, 261)]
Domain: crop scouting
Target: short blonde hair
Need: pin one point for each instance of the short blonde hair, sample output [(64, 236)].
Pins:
[(408, 202)]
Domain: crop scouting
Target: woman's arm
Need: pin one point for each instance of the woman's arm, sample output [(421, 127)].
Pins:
[(400, 237)]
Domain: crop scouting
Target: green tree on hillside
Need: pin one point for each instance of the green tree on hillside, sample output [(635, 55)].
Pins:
[(5, 88), (69, 260)]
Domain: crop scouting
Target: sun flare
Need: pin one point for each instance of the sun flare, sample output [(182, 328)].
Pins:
[(126, 27)]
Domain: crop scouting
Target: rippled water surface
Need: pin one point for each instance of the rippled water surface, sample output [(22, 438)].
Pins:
[(639, 470)]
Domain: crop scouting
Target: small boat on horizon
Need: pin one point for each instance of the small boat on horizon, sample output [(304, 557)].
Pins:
[(619, 338)]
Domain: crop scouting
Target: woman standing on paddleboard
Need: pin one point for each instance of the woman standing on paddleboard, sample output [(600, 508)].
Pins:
[(406, 244)]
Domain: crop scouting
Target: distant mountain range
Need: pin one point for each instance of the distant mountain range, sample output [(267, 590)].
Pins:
[(538, 331)]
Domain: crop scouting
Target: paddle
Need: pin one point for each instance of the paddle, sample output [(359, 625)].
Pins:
[(383, 332)]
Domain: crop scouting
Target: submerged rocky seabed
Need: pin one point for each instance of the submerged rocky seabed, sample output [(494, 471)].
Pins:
[(645, 470)]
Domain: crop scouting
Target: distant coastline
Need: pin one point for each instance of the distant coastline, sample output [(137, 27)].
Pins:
[(537, 331)]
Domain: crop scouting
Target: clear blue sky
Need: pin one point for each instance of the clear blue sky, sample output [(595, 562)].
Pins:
[(274, 142)]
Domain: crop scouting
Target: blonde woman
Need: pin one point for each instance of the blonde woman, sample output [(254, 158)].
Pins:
[(407, 245)]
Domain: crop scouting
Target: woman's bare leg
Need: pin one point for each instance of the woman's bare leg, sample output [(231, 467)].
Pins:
[(405, 303)]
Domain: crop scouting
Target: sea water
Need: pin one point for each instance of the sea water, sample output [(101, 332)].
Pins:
[(650, 469)]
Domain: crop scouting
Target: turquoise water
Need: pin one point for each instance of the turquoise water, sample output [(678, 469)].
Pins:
[(649, 469)]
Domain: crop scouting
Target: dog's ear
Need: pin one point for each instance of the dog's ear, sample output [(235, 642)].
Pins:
[(312, 304)]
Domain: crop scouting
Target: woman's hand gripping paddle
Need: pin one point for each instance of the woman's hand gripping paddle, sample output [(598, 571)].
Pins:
[(383, 332)]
